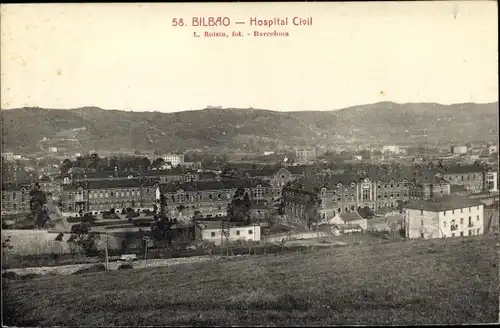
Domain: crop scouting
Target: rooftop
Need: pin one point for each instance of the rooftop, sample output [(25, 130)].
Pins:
[(444, 203), (350, 216)]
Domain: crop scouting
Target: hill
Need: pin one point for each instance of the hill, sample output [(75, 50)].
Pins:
[(449, 281), (113, 130)]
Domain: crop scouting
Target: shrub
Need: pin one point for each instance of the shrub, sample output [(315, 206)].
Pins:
[(132, 215), (94, 268), (125, 266)]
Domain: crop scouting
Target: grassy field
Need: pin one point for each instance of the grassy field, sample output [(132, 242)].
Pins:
[(420, 282)]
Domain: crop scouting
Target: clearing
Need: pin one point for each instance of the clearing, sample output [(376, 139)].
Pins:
[(448, 281)]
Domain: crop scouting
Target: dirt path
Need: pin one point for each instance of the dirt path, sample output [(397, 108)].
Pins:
[(70, 269)]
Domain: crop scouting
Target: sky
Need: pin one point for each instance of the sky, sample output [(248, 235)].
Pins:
[(130, 57)]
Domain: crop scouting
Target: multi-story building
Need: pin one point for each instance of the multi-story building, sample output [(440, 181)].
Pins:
[(443, 217), (491, 181), (174, 159), (472, 177), (346, 192), (277, 178), (305, 155), (102, 195), (15, 198), (209, 198), (459, 150), (428, 187)]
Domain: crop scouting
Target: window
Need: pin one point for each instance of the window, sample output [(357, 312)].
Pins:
[(461, 210), (478, 217), (470, 209), (470, 232), (213, 234), (461, 233), (422, 222), (250, 232), (452, 211), (453, 234), (470, 220), (237, 232), (444, 224), (444, 213), (421, 212), (478, 208)]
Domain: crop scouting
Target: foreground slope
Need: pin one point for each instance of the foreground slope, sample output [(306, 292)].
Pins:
[(443, 281)]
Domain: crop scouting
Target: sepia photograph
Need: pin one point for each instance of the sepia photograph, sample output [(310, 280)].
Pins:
[(250, 164)]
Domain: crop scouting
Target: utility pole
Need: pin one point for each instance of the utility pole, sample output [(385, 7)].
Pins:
[(106, 257), (146, 240)]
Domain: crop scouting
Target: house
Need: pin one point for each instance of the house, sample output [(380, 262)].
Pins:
[(211, 231), (353, 218), (305, 155), (174, 159), (448, 216), (16, 198)]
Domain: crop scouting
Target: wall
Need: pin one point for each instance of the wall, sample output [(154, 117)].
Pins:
[(477, 217), (206, 235), (414, 227)]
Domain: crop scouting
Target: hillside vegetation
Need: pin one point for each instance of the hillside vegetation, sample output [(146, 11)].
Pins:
[(449, 281), (239, 128)]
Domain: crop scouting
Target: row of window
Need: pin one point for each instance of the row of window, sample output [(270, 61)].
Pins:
[(461, 210), (237, 233)]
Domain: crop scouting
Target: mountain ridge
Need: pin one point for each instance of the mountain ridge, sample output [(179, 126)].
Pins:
[(247, 128)]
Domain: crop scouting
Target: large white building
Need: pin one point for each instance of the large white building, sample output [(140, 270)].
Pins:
[(390, 149), (459, 150), (175, 159), (444, 217)]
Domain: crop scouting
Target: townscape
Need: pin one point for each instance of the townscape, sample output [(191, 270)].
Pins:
[(155, 178)]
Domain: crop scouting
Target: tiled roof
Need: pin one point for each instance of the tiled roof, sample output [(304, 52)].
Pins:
[(296, 170), (211, 185), (350, 216), (15, 186), (110, 184), (444, 203), (461, 169), (261, 173), (457, 189), (172, 172)]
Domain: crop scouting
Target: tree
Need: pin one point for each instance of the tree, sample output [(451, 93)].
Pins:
[(160, 229), (65, 166), (239, 208), (157, 163), (38, 209), (163, 205), (312, 206)]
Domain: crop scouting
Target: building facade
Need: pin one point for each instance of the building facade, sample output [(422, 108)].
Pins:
[(15, 198), (209, 199), (174, 159), (445, 217), (345, 193), (472, 177), (100, 196), (212, 232), (305, 155)]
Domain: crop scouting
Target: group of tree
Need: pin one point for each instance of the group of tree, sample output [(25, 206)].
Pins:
[(92, 162), (239, 208), (38, 207)]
